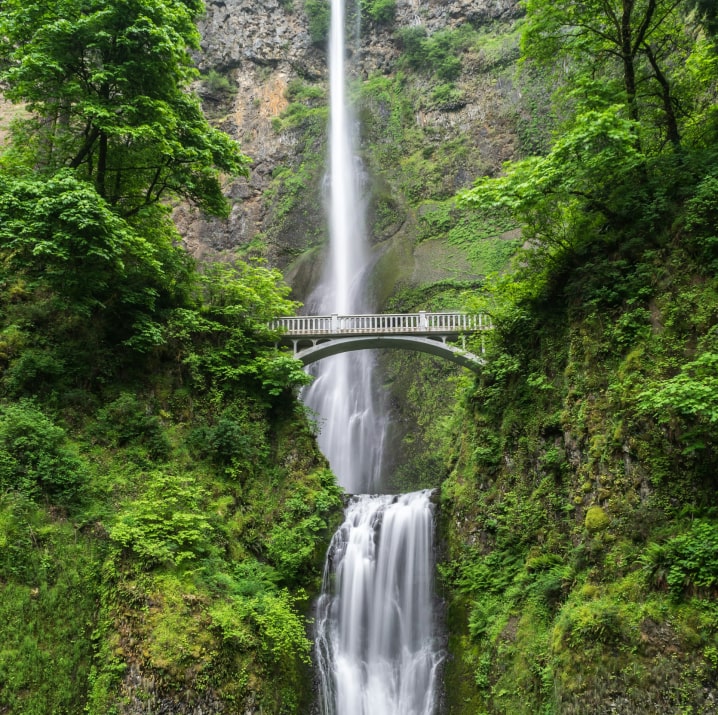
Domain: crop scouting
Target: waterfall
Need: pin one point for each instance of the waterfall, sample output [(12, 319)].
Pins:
[(344, 394), (375, 637)]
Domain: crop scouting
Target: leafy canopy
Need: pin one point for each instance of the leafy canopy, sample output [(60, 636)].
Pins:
[(634, 91), (107, 85)]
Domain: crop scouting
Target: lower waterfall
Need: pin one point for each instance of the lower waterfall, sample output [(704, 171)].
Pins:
[(376, 645)]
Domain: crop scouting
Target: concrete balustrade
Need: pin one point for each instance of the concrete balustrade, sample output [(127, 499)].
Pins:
[(421, 323), (314, 337)]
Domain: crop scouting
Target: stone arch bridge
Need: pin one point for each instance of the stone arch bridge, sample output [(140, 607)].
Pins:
[(314, 337)]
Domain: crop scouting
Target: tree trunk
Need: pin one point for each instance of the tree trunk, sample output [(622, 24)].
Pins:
[(672, 131), (102, 166), (627, 55)]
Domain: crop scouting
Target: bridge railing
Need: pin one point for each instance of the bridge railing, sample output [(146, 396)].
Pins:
[(415, 323)]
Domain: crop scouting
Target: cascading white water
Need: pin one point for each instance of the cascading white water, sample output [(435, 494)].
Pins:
[(375, 639), (376, 649), (344, 394)]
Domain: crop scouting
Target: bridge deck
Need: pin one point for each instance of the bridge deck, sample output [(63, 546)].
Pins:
[(422, 323)]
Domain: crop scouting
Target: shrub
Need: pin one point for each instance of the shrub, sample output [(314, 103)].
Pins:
[(447, 97), (597, 621), (236, 439), (319, 15), (35, 458), (380, 11), (413, 42), (687, 563), (435, 53), (218, 83), (126, 421), (167, 524)]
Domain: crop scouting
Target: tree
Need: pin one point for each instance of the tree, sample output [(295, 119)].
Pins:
[(636, 101), (107, 83), (639, 43), (575, 189), (225, 339)]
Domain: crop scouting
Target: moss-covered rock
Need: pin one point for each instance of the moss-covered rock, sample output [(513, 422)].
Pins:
[(596, 519)]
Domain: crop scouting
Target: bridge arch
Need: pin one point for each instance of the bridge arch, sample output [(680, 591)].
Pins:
[(314, 337), (335, 346)]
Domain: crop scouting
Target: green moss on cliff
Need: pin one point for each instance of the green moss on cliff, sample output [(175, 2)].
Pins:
[(580, 510)]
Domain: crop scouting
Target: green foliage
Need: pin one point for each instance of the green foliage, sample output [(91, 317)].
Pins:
[(107, 322), (589, 623), (126, 421), (50, 581), (299, 115), (447, 97), (436, 53), (108, 85), (59, 232), (234, 441), (586, 169), (591, 425), (319, 14), (686, 564), (282, 629), (167, 524), (387, 113), (227, 340), (478, 233), (301, 91), (267, 621), (35, 457), (632, 51), (381, 12), (218, 83), (702, 221), (292, 544), (692, 394)]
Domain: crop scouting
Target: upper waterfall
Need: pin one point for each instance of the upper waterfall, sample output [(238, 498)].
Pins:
[(344, 394)]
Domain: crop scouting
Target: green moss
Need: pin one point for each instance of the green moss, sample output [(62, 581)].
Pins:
[(596, 519)]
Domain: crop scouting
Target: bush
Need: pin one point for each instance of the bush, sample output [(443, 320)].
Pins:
[(35, 458), (218, 83), (687, 563), (319, 14), (380, 11), (167, 524), (126, 421), (236, 439), (448, 97), (435, 53), (295, 544), (597, 621), (413, 41)]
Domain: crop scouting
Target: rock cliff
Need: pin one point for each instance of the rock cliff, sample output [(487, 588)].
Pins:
[(260, 65)]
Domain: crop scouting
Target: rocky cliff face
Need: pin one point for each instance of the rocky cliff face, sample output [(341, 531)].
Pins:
[(258, 60)]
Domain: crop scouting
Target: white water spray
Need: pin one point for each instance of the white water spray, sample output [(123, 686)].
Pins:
[(376, 648), (344, 394), (375, 639)]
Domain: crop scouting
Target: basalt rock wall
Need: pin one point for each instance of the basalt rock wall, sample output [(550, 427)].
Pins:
[(259, 63)]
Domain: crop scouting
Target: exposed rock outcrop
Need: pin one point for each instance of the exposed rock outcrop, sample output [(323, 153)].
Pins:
[(261, 47)]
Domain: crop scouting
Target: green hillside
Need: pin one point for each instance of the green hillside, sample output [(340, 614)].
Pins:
[(164, 509)]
